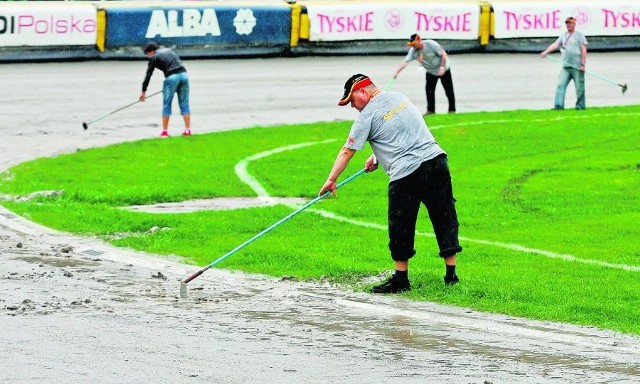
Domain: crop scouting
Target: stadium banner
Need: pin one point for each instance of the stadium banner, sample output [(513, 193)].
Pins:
[(45, 24), (546, 19), (386, 21), (200, 25)]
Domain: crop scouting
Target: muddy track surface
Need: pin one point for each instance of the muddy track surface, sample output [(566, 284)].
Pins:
[(78, 310)]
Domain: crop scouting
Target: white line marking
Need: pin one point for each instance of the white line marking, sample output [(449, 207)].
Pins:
[(558, 118), (243, 174), (513, 247)]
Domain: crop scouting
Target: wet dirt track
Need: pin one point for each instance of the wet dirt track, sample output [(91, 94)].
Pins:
[(77, 310)]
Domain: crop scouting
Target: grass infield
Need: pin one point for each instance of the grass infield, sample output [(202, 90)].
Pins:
[(548, 202)]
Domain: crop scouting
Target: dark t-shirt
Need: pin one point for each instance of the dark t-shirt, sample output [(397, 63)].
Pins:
[(166, 60)]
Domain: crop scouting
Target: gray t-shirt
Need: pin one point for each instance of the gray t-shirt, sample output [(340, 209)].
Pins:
[(397, 133), (431, 57), (571, 48)]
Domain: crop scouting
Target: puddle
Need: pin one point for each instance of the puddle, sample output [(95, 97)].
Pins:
[(58, 261), (220, 203)]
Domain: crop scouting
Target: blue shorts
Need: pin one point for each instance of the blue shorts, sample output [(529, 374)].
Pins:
[(176, 83)]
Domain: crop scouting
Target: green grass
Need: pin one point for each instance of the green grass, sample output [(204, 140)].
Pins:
[(565, 182)]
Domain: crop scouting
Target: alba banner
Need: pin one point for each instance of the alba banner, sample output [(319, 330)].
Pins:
[(47, 24), (221, 25), (378, 21), (546, 19)]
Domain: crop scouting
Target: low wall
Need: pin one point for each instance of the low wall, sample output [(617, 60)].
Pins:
[(46, 31), (213, 29)]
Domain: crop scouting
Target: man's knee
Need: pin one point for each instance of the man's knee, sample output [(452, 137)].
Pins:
[(451, 251), (401, 251)]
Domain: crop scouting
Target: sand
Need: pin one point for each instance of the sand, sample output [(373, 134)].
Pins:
[(78, 310)]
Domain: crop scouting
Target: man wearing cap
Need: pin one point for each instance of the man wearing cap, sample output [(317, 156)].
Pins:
[(438, 66), (176, 81), (418, 173), (573, 46)]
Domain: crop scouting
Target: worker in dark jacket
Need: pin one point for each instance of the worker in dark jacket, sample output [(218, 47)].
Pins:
[(176, 81)]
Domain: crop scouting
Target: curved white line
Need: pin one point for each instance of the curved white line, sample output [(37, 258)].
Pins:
[(243, 174), (558, 118), (513, 247)]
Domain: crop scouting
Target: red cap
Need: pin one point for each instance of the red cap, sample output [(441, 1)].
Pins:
[(354, 83)]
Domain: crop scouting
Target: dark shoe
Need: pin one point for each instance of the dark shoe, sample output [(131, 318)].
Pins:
[(393, 285), (452, 280), (430, 113)]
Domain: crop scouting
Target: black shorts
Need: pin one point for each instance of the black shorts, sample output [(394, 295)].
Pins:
[(430, 185)]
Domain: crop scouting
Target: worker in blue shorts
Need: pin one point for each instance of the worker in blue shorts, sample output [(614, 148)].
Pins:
[(176, 81)]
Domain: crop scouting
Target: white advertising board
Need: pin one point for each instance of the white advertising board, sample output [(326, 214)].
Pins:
[(42, 24), (546, 19), (377, 21)]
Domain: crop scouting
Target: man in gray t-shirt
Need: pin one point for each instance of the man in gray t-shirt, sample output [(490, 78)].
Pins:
[(418, 173), (436, 62), (573, 46)]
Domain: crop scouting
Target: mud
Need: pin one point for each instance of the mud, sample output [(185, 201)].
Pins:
[(218, 204), (78, 310)]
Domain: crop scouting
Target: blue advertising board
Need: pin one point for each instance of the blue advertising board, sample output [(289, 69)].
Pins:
[(209, 25)]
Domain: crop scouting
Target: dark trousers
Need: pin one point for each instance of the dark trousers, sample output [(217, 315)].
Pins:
[(447, 84), (430, 185)]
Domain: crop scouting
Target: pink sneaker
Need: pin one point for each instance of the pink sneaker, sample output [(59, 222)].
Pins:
[(187, 132), (164, 134)]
